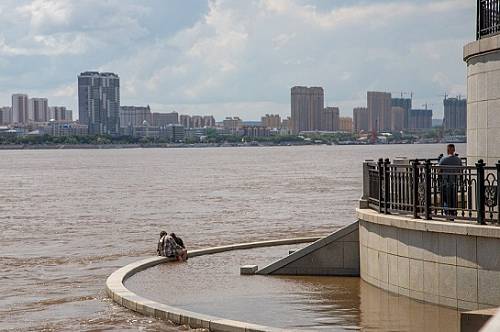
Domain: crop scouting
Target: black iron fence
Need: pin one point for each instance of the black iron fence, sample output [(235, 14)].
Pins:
[(488, 18), (423, 189)]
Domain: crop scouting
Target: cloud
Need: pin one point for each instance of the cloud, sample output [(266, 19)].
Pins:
[(236, 55)]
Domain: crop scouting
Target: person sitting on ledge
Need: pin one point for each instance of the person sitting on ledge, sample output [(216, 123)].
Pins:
[(171, 249), (160, 249), (181, 248)]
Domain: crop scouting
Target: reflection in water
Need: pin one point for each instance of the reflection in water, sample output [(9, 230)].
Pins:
[(383, 311), (212, 285), (69, 218)]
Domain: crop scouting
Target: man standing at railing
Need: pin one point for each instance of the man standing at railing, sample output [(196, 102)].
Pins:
[(449, 184)]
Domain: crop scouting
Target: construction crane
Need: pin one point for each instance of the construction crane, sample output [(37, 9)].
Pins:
[(445, 96), (426, 105), (403, 94)]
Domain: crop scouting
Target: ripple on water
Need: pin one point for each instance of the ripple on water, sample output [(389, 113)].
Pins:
[(69, 218)]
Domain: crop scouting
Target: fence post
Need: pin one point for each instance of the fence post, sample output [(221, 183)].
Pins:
[(478, 20), (480, 192), (366, 179), (498, 190), (415, 179), (380, 183), (428, 196), (387, 187)]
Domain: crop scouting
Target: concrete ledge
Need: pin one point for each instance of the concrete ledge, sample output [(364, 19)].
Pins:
[(482, 46), (117, 291), (405, 222)]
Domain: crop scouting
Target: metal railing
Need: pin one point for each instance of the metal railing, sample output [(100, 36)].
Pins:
[(427, 190), (488, 18)]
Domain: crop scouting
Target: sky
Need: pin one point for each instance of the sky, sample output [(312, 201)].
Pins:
[(236, 57)]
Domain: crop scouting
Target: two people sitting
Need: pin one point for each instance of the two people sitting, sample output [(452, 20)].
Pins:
[(171, 246)]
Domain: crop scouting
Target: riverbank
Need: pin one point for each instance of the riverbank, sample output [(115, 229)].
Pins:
[(172, 145), (136, 146)]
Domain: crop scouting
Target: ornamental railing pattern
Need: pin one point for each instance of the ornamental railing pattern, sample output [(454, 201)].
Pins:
[(423, 189), (488, 18)]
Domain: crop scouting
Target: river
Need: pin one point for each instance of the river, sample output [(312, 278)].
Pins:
[(69, 218)]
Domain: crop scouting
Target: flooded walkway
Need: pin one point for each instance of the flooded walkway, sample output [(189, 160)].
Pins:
[(212, 285)]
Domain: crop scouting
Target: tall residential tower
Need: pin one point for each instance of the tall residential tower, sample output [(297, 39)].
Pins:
[(379, 110), (99, 102), (455, 113), (19, 108), (307, 105)]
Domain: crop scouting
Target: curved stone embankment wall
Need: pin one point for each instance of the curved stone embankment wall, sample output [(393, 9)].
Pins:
[(450, 264), (483, 99), (120, 294)]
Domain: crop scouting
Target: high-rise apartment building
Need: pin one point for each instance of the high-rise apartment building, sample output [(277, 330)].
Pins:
[(232, 123), (379, 110), (397, 118), (360, 119), (345, 124), (99, 102), (420, 119), (209, 121), (185, 120), (455, 113), (271, 121), (164, 119), (286, 123), (60, 114), (404, 103), (330, 119), (134, 116), (19, 108), (5, 115), (197, 121), (307, 105), (38, 110)]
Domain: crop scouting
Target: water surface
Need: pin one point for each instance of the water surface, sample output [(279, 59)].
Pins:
[(69, 218)]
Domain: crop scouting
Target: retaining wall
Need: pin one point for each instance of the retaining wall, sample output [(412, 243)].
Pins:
[(451, 264), (334, 255)]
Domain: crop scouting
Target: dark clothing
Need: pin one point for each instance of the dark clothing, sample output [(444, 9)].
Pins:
[(450, 183), (450, 161), (179, 241)]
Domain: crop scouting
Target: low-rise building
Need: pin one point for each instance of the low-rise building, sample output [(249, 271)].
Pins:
[(175, 133), (196, 133), (259, 131), (54, 128)]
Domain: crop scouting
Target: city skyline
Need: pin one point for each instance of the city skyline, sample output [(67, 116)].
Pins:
[(43, 45)]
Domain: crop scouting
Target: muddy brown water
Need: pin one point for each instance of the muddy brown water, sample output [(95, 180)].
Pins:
[(69, 218), (212, 285)]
